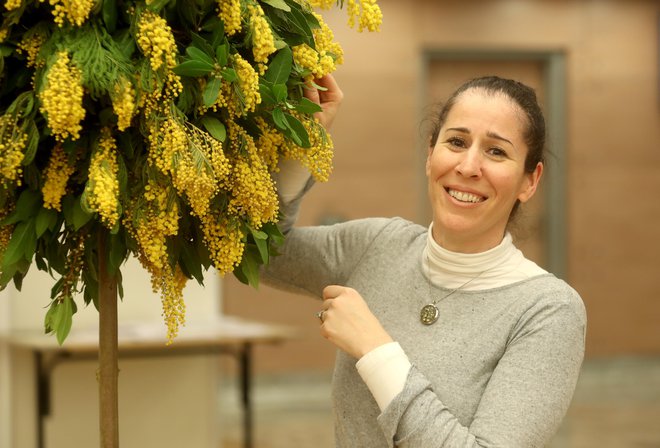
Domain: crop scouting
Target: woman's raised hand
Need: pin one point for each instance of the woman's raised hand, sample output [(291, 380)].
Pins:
[(328, 99), (349, 324)]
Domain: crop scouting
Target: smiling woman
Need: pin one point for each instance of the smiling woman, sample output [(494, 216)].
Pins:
[(479, 165), (447, 336)]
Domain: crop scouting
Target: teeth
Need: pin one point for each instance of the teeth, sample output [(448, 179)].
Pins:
[(465, 197)]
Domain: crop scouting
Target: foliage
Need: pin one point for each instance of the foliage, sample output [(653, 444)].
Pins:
[(154, 125)]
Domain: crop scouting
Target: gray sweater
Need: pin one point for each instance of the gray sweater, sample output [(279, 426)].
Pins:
[(498, 368)]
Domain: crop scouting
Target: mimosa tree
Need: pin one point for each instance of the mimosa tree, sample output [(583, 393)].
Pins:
[(151, 128)]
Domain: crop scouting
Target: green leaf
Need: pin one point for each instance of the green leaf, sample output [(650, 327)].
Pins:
[(214, 24), (222, 54), (249, 266), (191, 263), (28, 205), (68, 203), (218, 30), (79, 217), (274, 233), (279, 69), (7, 274), (193, 68), (32, 145), (201, 44), (261, 241), (214, 127), (279, 4), (279, 119), (211, 91), (307, 106), (298, 130), (46, 219), (109, 14), (199, 55), (299, 21), (66, 319), (280, 92), (22, 238), (267, 96), (229, 74)]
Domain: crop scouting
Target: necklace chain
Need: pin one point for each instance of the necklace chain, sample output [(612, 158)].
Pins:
[(429, 313)]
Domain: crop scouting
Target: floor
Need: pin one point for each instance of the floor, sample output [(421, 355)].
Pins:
[(616, 405)]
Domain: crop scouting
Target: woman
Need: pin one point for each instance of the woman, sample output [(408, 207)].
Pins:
[(448, 336)]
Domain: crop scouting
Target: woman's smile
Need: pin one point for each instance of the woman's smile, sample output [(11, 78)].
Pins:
[(465, 196)]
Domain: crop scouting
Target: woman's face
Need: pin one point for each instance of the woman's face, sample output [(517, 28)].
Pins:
[(476, 171)]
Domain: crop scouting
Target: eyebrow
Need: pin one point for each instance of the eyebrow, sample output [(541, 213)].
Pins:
[(489, 134)]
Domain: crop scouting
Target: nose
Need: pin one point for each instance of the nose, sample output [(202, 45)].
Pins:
[(469, 164)]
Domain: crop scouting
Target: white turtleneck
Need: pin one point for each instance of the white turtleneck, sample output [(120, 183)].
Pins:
[(385, 369)]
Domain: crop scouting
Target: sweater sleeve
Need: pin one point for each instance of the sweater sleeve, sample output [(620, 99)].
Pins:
[(312, 258), (525, 400)]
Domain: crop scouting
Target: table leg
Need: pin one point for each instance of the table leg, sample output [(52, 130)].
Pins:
[(246, 387), (43, 396)]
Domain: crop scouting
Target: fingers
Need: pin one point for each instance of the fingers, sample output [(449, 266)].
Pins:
[(333, 291), (333, 93), (329, 98)]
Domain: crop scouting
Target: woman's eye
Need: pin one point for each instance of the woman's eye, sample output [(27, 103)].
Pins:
[(455, 141), (497, 152)]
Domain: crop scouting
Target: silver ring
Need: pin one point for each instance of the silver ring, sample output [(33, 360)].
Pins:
[(320, 315)]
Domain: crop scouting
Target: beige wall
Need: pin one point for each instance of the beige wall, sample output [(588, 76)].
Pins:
[(613, 152)]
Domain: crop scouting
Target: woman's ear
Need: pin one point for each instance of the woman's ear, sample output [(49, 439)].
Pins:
[(531, 183)]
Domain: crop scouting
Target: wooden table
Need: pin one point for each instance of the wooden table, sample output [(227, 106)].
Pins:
[(224, 335)]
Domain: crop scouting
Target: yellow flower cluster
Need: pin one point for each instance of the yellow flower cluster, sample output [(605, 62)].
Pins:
[(153, 218), (31, 46), (12, 145), (366, 13), (10, 5), (224, 240), (57, 174), (123, 103), (170, 283), (102, 187), (61, 100), (323, 4), (75, 11), (156, 40), (192, 159), (252, 188), (158, 218), (74, 264), (327, 55), (6, 230), (318, 158), (246, 99), (268, 144), (370, 17), (230, 13), (263, 42)]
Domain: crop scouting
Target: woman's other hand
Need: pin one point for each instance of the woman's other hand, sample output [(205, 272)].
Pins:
[(349, 324), (328, 99)]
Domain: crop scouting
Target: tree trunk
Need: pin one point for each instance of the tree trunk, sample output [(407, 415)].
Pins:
[(108, 351)]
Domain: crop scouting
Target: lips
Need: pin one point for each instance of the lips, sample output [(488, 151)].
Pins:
[(464, 196)]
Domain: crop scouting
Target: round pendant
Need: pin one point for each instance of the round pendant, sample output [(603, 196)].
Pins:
[(429, 314)]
